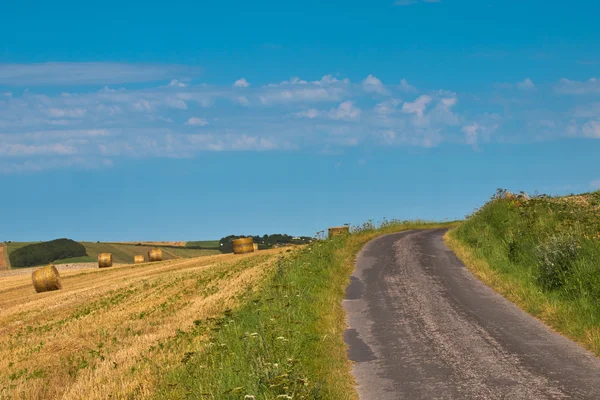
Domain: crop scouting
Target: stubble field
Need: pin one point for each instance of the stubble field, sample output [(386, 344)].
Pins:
[(113, 333)]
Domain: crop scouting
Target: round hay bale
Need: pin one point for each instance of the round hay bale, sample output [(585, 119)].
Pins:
[(155, 255), (105, 260), (255, 246), (138, 259), (46, 279), (243, 245), (339, 231)]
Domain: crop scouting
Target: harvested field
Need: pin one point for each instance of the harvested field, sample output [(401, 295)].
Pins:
[(110, 333)]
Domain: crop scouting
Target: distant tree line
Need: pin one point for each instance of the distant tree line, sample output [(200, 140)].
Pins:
[(264, 242), (46, 252)]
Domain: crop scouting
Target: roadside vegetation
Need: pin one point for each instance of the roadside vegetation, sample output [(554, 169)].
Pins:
[(286, 340), (542, 253)]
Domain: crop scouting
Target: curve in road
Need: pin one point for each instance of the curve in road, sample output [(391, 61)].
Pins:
[(422, 327)]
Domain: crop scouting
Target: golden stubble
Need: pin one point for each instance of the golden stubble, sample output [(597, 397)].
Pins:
[(97, 337)]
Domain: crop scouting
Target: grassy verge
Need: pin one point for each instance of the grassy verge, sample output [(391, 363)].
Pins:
[(287, 340), (543, 254)]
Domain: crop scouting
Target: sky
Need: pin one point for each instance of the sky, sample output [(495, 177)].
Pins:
[(140, 120)]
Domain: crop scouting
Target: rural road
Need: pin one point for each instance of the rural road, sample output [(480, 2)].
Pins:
[(422, 327)]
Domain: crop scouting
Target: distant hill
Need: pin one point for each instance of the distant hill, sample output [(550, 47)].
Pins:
[(122, 253), (46, 252)]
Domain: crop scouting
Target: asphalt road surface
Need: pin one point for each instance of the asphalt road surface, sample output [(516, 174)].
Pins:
[(422, 327)]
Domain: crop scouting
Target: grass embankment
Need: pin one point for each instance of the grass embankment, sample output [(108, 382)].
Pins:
[(111, 333), (541, 253), (287, 340)]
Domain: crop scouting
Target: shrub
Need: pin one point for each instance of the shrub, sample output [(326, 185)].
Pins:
[(555, 260), (46, 252)]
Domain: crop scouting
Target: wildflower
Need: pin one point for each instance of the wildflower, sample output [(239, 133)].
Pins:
[(284, 396), (249, 397)]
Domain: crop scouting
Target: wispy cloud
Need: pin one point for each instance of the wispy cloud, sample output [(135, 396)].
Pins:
[(242, 82), (566, 86), (80, 126), (373, 85), (195, 121), (90, 73)]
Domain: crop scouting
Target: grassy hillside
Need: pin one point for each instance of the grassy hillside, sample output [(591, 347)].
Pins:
[(543, 253), (45, 252), (122, 253), (203, 243)]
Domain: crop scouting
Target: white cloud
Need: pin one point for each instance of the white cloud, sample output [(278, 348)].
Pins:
[(176, 103), (197, 121), (387, 107), (85, 73), (406, 87), (449, 102), (176, 83), (566, 86), (527, 84), (471, 133), (373, 85), (67, 112), (242, 82), (310, 113), (346, 110), (143, 105), (418, 106), (591, 130)]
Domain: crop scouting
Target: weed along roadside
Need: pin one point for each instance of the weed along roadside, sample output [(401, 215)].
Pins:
[(542, 254), (286, 340)]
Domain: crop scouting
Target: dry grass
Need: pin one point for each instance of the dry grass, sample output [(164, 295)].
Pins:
[(110, 333)]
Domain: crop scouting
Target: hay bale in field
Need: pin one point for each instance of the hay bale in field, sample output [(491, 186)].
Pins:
[(105, 260), (255, 246), (138, 259), (46, 279), (339, 231), (243, 245), (155, 255)]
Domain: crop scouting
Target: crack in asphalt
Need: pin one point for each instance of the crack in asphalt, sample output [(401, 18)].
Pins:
[(422, 327)]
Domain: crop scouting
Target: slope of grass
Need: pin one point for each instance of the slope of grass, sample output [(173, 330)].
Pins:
[(287, 340), (543, 254), (204, 243)]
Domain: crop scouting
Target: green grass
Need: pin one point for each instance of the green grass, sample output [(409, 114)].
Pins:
[(10, 247), (287, 340), (204, 243), (543, 254)]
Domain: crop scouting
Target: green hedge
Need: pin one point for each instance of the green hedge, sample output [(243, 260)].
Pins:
[(46, 252)]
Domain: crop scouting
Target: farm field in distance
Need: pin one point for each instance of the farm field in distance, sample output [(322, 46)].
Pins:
[(113, 332), (123, 253)]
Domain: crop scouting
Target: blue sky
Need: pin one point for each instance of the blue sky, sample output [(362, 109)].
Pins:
[(146, 121)]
